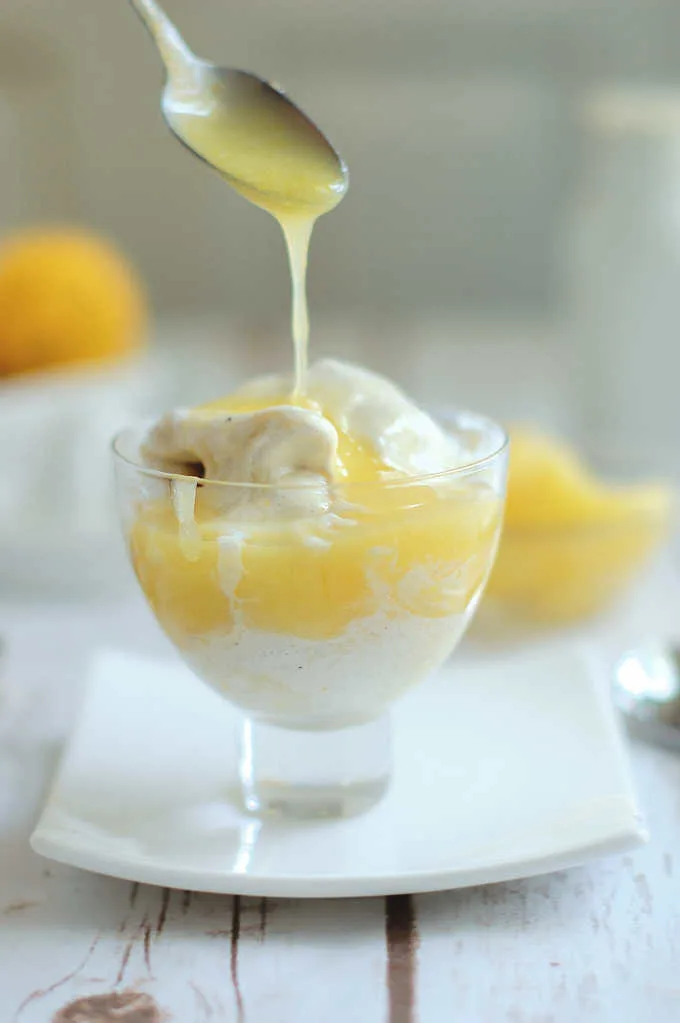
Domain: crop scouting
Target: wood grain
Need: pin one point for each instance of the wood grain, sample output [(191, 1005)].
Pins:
[(235, 937), (401, 938)]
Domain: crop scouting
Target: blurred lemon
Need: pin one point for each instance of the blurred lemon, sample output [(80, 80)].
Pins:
[(571, 543), (66, 296)]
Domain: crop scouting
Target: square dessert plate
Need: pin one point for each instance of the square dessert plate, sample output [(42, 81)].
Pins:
[(503, 769)]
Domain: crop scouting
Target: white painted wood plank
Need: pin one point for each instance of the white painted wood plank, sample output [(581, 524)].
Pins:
[(599, 943), (195, 957), (316, 961)]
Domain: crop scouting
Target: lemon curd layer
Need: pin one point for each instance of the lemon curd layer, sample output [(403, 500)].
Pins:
[(380, 545), (424, 555)]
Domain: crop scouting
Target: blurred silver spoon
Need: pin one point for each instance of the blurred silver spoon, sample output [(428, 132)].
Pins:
[(647, 692)]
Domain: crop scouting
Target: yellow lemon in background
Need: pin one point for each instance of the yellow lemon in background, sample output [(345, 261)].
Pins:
[(66, 296), (546, 480)]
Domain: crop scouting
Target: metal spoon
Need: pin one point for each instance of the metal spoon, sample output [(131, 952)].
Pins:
[(647, 692), (245, 127)]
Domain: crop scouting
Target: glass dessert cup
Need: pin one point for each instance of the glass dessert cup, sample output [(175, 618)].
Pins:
[(313, 623)]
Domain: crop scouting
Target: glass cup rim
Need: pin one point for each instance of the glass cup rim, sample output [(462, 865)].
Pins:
[(476, 420)]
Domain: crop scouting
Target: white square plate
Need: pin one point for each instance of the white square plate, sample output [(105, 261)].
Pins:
[(503, 769)]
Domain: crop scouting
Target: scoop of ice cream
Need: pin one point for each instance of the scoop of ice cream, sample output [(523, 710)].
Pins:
[(355, 426), (293, 447), (372, 411), (266, 446)]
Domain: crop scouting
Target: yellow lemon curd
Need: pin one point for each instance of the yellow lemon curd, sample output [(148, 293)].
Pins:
[(571, 543), (387, 548)]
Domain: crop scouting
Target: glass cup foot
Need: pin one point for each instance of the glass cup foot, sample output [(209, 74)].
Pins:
[(308, 773)]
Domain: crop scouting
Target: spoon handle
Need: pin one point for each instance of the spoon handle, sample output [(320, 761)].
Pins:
[(655, 734), (173, 50)]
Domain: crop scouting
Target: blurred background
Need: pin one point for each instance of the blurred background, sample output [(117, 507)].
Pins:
[(510, 240)]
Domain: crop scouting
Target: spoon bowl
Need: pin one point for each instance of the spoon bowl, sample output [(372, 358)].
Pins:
[(246, 128), (647, 692)]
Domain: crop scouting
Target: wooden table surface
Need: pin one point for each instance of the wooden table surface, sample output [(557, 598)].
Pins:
[(597, 943)]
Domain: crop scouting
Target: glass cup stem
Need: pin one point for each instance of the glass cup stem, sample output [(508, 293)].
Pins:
[(313, 773)]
